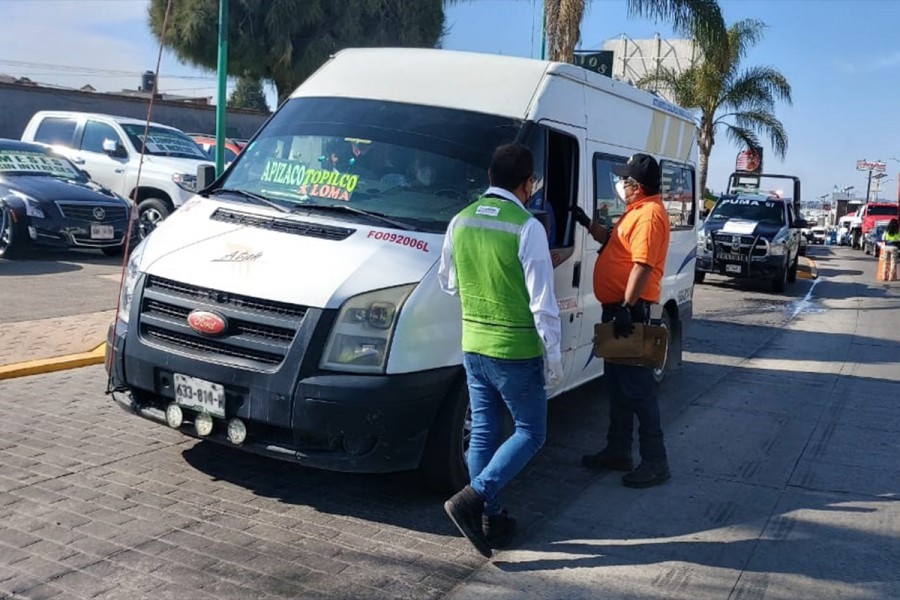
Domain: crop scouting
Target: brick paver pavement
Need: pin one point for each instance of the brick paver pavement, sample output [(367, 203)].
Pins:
[(95, 503), (46, 338)]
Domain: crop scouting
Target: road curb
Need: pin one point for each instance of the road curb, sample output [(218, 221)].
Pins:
[(51, 365), (807, 269)]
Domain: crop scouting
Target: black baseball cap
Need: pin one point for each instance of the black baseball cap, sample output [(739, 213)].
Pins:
[(643, 168)]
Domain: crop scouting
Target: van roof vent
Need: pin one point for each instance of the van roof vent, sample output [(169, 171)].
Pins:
[(326, 232)]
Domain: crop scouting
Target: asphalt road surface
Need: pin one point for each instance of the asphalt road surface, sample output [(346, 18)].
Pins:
[(773, 494)]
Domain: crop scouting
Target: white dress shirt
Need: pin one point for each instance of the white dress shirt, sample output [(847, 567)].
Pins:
[(534, 254)]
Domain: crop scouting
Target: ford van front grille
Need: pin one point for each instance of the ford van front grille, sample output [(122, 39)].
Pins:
[(258, 333), (317, 230)]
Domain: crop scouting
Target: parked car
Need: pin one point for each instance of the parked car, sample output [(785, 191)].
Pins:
[(817, 235), (109, 147), (208, 144), (46, 200), (872, 240)]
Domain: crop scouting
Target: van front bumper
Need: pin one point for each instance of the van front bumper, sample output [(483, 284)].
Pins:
[(338, 422)]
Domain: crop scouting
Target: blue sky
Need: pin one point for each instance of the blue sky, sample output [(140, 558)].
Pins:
[(842, 58)]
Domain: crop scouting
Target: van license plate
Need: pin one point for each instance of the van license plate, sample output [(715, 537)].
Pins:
[(732, 268), (102, 232), (200, 395)]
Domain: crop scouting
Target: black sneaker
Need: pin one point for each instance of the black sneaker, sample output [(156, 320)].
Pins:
[(648, 474), (465, 509), (606, 459), (498, 528)]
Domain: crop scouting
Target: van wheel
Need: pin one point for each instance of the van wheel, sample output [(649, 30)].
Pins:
[(444, 465), (660, 373), (151, 212), (444, 460), (699, 276), (13, 238)]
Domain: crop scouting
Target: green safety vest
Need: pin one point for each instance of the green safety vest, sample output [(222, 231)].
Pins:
[(497, 319), (891, 237)]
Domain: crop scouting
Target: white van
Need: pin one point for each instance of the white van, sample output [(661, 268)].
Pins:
[(294, 309), (109, 149)]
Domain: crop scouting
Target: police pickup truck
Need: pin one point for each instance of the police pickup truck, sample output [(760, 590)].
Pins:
[(750, 235)]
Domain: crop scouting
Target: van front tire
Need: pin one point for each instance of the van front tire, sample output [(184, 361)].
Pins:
[(443, 463)]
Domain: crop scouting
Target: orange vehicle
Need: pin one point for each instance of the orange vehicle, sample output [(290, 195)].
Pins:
[(208, 144)]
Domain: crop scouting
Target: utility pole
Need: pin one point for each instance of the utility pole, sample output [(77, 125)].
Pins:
[(222, 102)]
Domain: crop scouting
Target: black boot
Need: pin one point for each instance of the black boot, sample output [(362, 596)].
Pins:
[(648, 474), (465, 509), (498, 528), (607, 459)]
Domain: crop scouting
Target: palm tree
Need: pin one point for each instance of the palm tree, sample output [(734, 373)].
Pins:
[(701, 19), (740, 100)]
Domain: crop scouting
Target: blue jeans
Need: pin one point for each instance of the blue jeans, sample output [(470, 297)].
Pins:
[(519, 386)]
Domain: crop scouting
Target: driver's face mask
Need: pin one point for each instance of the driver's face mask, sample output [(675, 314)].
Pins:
[(425, 175)]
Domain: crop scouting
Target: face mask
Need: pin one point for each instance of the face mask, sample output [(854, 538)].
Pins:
[(425, 176), (620, 190)]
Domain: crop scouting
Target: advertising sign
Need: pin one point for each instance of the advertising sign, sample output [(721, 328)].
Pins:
[(750, 160), (864, 165)]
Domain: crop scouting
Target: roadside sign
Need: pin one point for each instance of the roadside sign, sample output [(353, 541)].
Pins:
[(864, 165)]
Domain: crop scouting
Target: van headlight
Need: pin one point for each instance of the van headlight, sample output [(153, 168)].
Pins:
[(132, 273), (361, 336)]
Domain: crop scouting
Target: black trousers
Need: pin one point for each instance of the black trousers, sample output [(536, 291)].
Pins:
[(632, 393)]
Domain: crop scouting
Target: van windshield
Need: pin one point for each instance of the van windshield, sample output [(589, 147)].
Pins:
[(416, 164)]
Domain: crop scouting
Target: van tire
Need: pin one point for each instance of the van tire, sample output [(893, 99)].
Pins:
[(660, 374), (792, 273), (699, 276), (443, 463), (779, 282), (151, 212)]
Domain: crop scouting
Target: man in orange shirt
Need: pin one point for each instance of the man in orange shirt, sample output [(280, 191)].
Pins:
[(627, 278)]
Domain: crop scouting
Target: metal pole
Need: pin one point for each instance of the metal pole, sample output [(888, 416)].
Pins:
[(869, 186), (222, 101), (543, 31)]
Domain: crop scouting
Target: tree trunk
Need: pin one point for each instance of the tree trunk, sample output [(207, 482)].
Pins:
[(563, 28)]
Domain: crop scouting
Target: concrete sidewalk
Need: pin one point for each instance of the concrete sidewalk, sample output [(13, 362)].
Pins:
[(785, 479), (32, 347)]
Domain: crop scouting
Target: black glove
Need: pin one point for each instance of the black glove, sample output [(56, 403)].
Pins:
[(581, 217), (622, 325)]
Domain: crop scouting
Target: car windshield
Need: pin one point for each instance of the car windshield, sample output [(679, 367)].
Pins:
[(37, 162), (762, 210), (417, 165), (164, 142)]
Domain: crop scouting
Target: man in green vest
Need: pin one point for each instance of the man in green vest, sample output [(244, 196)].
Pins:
[(496, 257)]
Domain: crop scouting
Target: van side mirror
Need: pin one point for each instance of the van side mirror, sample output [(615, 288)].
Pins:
[(206, 175), (800, 224)]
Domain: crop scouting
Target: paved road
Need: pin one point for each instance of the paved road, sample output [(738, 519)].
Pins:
[(774, 494)]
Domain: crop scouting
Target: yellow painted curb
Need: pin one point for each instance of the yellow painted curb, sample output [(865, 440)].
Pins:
[(57, 363), (807, 268)]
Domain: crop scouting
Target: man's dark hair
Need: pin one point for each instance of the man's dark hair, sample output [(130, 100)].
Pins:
[(511, 166)]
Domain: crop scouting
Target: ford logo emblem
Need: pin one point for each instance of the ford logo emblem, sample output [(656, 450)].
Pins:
[(99, 213), (207, 322)]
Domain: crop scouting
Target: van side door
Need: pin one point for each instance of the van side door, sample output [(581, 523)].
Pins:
[(557, 190)]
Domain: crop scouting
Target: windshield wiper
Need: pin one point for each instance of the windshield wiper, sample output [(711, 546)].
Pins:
[(357, 211), (249, 197)]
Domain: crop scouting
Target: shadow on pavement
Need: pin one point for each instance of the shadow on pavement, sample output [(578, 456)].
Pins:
[(50, 262)]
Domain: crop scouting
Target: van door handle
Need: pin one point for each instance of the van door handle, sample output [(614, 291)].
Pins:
[(78, 160), (120, 170), (576, 275)]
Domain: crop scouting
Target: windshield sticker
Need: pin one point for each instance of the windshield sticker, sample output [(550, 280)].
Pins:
[(401, 240), (164, 142), (315, 183), (748, 202), (35, 162), (739, 226)]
